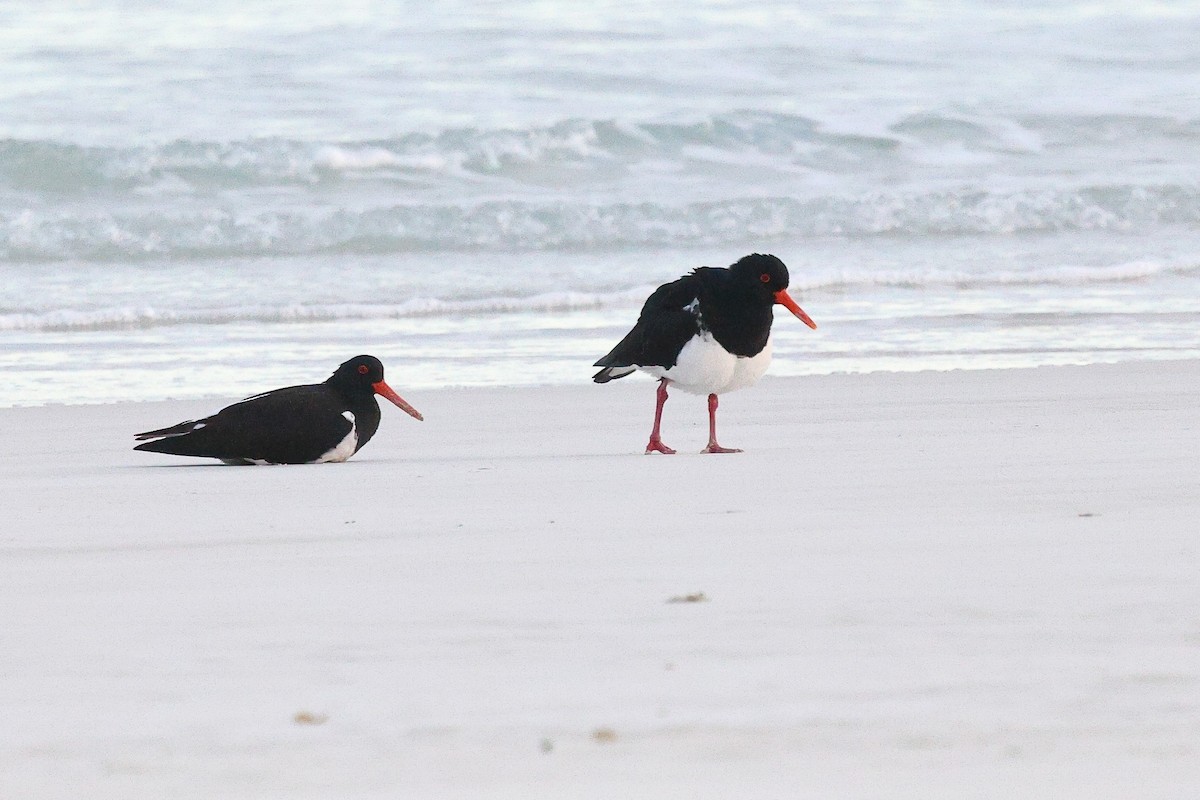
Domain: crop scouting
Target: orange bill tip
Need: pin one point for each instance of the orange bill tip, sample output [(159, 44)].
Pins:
[(383, 390), (784, 299)]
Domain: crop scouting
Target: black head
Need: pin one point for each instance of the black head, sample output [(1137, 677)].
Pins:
[(765, 271), (770, 275), (362, 372), (363, 375)]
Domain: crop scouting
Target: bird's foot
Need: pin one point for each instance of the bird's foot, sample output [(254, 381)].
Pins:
[(713, 447), (656, 446)]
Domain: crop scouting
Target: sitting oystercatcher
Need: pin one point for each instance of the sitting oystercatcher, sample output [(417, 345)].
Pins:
[(707, 333), (309, 424)]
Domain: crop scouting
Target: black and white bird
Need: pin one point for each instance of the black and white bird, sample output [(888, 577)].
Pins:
[(707, 333), (308, 424)]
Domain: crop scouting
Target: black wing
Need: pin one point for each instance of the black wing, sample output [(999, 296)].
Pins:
[(668, 320), (173, 430), (294, 425)]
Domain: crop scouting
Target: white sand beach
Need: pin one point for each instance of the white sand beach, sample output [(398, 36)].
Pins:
[(929, 585)]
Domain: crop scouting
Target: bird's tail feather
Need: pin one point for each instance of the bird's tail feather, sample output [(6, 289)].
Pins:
[(173, 430), (175, 446), (612, 373)]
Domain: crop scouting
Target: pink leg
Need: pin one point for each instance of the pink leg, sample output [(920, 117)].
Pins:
[(713, 447), (656, 443)]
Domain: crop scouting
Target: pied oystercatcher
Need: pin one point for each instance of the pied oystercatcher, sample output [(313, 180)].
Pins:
[(707, 333), (308, 424)]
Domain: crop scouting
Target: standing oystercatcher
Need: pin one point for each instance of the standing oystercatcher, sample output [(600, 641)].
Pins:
[(707, 333), (309, 424)]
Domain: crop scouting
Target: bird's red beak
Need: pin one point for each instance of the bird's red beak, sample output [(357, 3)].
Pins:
[(784, 299), (383, 390)]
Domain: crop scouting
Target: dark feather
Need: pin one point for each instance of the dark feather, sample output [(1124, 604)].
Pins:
[(668, 320), (174, 430), (238, 432)]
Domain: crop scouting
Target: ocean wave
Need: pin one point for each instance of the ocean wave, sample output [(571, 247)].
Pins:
[(787, 144), (149, 317), (1055, 275), (471, 153), (53, 235), (804, 281)]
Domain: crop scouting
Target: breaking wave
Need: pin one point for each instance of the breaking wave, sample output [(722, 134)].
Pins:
[(536, 153), (146, 317), (736, 176), (563, 152), (525, 225), (150, 317)]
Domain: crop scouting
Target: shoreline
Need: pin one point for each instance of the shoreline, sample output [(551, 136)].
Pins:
[(935, 582), (221, 399)]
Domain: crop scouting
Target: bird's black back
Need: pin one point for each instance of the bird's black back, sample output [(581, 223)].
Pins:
[(663, 328), (736, 312), (293, 425)]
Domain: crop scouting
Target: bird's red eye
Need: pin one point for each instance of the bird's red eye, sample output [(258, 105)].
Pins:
[(765, 278), (363, 369)]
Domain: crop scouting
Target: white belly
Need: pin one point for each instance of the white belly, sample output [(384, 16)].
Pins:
[(704, 367), (346, 447)]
